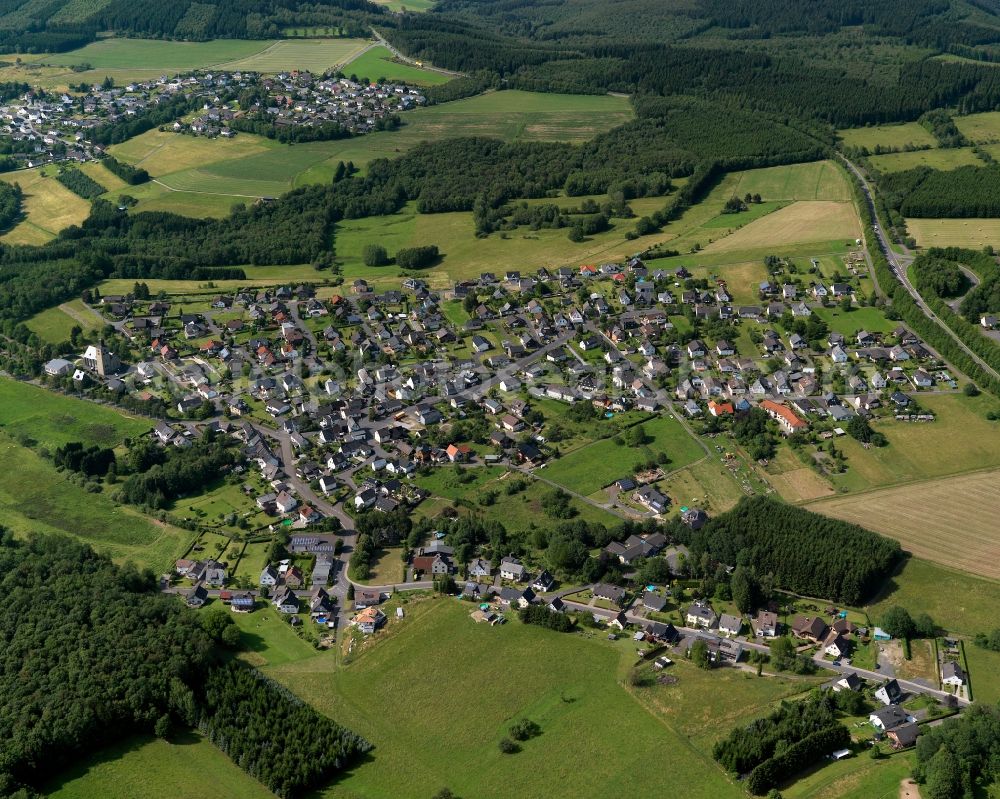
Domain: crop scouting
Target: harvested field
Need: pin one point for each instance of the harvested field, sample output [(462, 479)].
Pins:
[(973, 233), (951, 521), (798, 222)]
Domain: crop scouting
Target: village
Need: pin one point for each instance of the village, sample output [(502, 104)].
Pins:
[(43, 127)]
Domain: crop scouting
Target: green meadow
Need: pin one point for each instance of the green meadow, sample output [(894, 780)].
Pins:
[(53, 419), (596, 465), (377, 63), (889, 136)]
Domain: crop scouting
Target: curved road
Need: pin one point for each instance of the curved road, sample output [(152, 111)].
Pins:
[(898, 265)]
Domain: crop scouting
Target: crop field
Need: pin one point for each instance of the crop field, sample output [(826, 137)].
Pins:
[(974, 233), (315, 55), (893, 136), (144, 767), (980, 128), (943, 158), (52, 419), (818, 180), (960, 602), (562, 682), (377, 62), (951, 521), (804, 221), (48, 207), (596, 465)]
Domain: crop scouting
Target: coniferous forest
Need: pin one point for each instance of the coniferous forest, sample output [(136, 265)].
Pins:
[(93, 652)]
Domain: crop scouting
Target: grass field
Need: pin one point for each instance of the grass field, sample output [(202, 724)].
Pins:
[(888, 136), (804, 221), (149, 768), (53, 419), (857, 777), (34, 497), (984, 668), (944, 158), (960, 440), (794, 480), (974, 233), (705, 484), (450, 714), (596, 465), (55, 324), (315, 55), (148, 55), (951, 521), (961, 603), (378, 62), (202, 177), (818, 180), (268, 640), (980, 128), (406, 5), (48, 207), (850, 322)]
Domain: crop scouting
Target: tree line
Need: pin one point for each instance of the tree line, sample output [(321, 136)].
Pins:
[(80, 183), (133, 175), (10, 204)]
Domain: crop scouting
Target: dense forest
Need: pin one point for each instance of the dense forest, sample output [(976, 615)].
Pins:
[(960, 757), (93, 652), (806, 553), (968, 191), (77, 668), (80, 183), (272, 734), (10, 204)]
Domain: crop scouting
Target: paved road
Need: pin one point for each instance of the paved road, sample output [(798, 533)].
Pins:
[(381, 41), (907, 685), (898, 265)]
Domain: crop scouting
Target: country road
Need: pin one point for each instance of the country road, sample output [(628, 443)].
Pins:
[(898, 265)]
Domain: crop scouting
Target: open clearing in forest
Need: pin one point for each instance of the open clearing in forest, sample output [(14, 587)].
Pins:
[(817, 180), (799, 222), (941, 158), (951, 521), (980, 128), (974, 233), (890, 136)]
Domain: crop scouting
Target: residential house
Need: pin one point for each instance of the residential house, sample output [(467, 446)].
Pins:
[(730, 624), (765, 624), (699, 615), (512, 569)]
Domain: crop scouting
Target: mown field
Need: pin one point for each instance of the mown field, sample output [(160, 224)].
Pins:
[(799, 222), (942, 158), (589, 468), (908, 133), (960, 440), (48, 206), (55, 324), (171, 56), (377, 63), (818, 180), (951, 521), (975, 233)]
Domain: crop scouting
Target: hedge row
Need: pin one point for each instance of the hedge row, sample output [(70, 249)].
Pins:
[(796, 758)]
